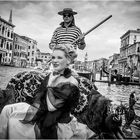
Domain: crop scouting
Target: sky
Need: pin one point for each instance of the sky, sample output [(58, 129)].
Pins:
[(38, 20)]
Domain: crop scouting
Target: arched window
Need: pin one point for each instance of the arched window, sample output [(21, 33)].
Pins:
[(8, 34), (10, 46), (138, 49), (7, 46), (2, 42), (15, 46), (3, 30), (11, 34)]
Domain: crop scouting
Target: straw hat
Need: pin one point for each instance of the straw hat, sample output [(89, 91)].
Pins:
[(68, 11)]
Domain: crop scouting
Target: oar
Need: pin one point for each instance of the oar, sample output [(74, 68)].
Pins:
[(90, 30)]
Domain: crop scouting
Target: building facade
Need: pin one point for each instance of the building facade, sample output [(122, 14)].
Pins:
[(6, 40), (20, 51), (32, 51), (129, 50), (113, 61), (44, 58)]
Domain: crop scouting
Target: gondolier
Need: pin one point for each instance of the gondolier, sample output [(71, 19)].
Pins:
[(68, 32)]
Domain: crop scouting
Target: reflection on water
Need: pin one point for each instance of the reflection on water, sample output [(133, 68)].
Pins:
[(114, 92), (117, 93)]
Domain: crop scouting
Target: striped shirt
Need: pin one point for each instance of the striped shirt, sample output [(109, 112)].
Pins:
[(63, 35)]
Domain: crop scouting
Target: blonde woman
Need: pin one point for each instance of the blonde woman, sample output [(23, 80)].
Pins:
[(49, 116)]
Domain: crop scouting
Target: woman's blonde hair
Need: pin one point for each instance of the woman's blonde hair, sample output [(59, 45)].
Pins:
[(69, 52)]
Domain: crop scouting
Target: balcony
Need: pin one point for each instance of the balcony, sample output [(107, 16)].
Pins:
[(134, 49), (3, 50), (122, 59)]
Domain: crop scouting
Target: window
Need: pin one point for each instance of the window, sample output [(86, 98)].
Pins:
[(28, 47), (15, 46), (8, 34), (3, 30), (0, 27), (127, 40), (2, 42), (135, 38), (12, 35), (10, 46), (7, 47), (32, 60), (138, 50)]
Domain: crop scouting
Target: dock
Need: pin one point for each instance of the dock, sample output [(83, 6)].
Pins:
[(118, 82)]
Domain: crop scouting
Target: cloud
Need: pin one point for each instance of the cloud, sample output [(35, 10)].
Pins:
[(39, 19)]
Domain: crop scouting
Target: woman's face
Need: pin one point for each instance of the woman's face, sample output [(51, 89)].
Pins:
[(59, 60)]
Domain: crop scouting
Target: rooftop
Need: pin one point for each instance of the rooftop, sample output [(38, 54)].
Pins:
[(7, 22), (130, 31)]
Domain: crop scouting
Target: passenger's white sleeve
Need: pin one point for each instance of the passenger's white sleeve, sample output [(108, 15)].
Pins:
[(4, 119), (11, 127)]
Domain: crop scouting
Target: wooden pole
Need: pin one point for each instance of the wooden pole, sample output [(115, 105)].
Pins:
[(93, 28)]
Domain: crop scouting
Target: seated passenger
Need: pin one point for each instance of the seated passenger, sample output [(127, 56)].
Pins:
[(49, 115)]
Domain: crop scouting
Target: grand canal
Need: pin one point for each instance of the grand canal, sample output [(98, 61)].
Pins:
[(6, 73), (117, 93)]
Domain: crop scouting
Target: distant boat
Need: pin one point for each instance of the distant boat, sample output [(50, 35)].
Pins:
[(119, 79), (119, 82), (38, 68), (85, 74)]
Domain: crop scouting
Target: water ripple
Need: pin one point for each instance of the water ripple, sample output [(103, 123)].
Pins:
[(117, 93)]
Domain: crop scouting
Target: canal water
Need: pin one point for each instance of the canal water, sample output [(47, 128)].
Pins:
[(117, 93), (6, 73)]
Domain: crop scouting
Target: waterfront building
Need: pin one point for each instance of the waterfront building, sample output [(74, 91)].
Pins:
[(6, 40), (77, 65), (43, 58), (81, 66), (100, 63), (93, 65), (32, 51), (113, 61), (20, 51), (129, 50)]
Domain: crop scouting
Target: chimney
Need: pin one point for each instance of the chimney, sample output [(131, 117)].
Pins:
[(10, 18)]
